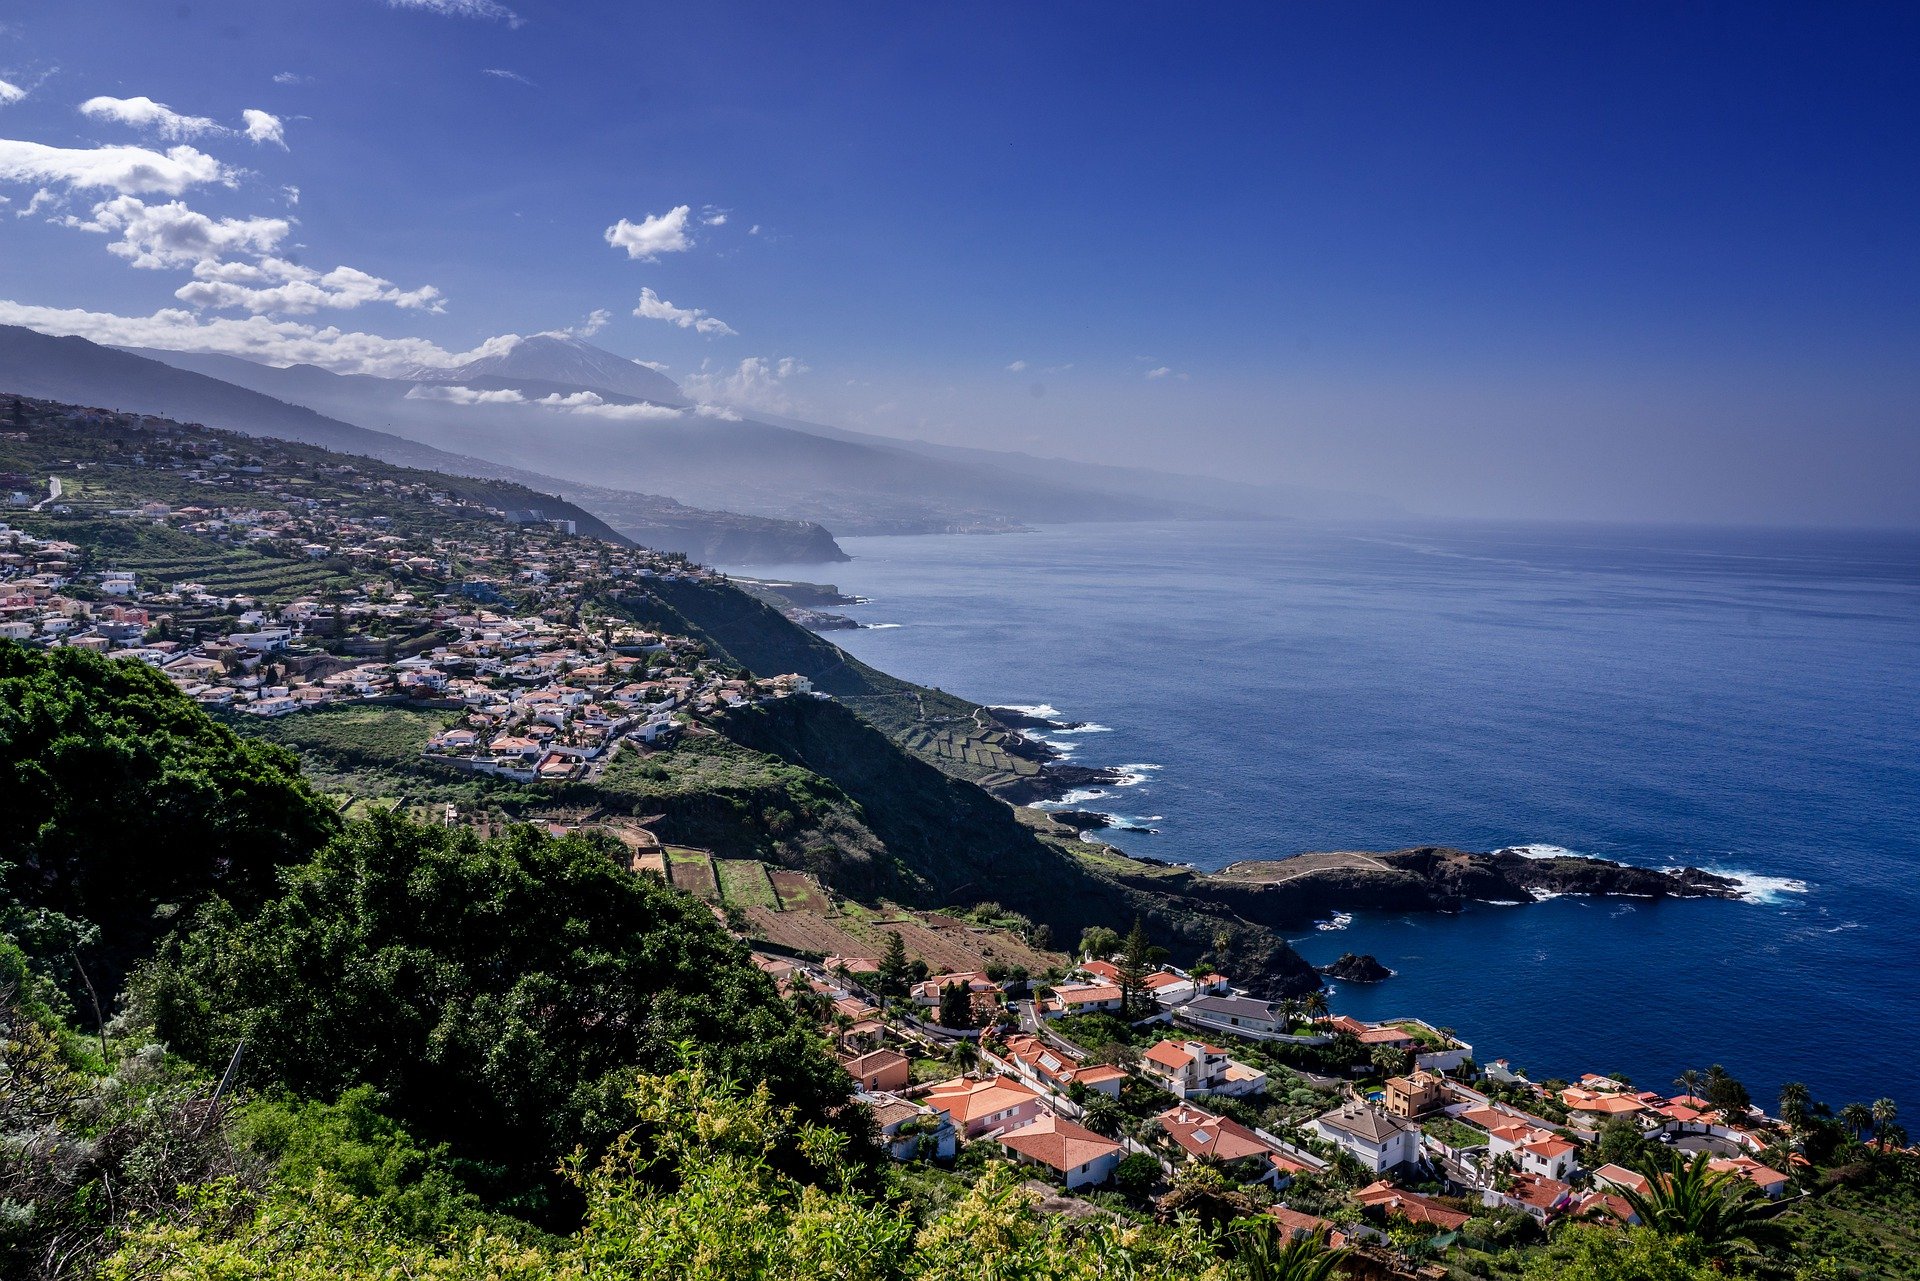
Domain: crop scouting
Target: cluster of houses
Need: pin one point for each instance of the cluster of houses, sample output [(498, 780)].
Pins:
[(480, 617), (1442, 1121)]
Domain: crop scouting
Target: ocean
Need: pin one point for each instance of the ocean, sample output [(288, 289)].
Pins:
[(1741, 700)]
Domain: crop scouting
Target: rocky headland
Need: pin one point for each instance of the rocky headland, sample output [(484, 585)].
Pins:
[(1357, 969)]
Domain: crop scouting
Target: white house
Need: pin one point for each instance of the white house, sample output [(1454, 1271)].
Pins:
[(1376, 1139), (1080, 1157)]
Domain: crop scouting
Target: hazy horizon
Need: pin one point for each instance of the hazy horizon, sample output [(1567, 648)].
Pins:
[(1641, 264)]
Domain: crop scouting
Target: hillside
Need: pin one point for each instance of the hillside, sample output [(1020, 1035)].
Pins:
[(825, 787), (75, 371)]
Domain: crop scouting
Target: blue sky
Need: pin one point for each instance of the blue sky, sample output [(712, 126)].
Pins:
[(1641, 261)]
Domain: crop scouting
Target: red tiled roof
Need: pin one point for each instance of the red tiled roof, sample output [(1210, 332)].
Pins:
[(1060, 1144)]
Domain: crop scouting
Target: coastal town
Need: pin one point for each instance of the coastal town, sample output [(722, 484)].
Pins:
[(487, 625), (1149, 1088)]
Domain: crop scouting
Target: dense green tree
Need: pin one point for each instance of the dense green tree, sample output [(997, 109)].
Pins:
[(122, 802), (1136, 1175), (896, 971), (1796, 1105), (1584, 1253), (1620, 1142), (1724, 1092), (1097, 942), (498, 993), (1134, 967), (956, 1006)]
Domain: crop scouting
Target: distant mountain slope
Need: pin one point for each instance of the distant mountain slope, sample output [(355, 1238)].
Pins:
[(77, 371), (850, 485), (1225, 498)]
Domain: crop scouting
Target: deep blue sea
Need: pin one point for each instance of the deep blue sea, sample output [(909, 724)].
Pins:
[(1747, 701)]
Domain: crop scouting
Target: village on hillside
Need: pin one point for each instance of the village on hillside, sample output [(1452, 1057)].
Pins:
[(487, 624), (1130, 1084)]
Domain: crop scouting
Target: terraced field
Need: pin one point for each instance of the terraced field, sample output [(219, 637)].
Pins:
[(167, 557), (980, 755), (799, 892), (745, 883), (692, 871)]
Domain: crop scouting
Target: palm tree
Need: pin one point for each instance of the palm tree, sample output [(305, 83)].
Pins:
[(1261, 1255), (1858, 1119), (964, 1055), (1689, 1081), (1689, 1198), (1795, 1106), (1315, 1004), (1884, 1115)]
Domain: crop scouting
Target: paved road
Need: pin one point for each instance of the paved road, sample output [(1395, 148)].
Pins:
[(54, 489)]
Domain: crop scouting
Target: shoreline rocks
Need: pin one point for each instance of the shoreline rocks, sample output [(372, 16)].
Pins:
[(1351, 968)]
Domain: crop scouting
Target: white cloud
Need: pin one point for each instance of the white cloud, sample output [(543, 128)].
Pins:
[(10, 93), (1016, 366), (657, 366), (42, 199), (292, 194), (124, 169), (711, 217), (275, 285), (291, 78), (491, 10), (756, 382), (171, 235), (653, 235), (264, 127), (1160, 372), (592, 325), (514, 76), (717, 411), (654, 307), (597, 406), (155, 117), (276, 342), (465, 395), (754, 230)]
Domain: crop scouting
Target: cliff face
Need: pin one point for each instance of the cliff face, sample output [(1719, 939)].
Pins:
[(1290, 892), (949, 843)]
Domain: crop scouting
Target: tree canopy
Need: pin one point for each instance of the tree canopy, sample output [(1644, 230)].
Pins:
[(499, 993)]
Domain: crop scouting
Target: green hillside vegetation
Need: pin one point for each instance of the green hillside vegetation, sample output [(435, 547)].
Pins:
[(122, 805), (499, 994)]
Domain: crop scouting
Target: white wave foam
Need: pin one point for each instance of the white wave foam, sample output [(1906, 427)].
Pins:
[(1503, 902), (1133, 775), (1542, 851), (1340, 921), (1091, 727), (880, 627), (1046, 711), (1755, 888), (1079, 796)]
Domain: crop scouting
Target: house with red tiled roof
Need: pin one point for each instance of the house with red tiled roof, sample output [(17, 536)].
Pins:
[(1768, 1180), (1391, 1202), (1204, 1136), (878, 1070), (1295, 1225), (1539, 1196), (1186, 1069), (1076, 1154), (1054, 1069), (980, 1105), (1080, 998)]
